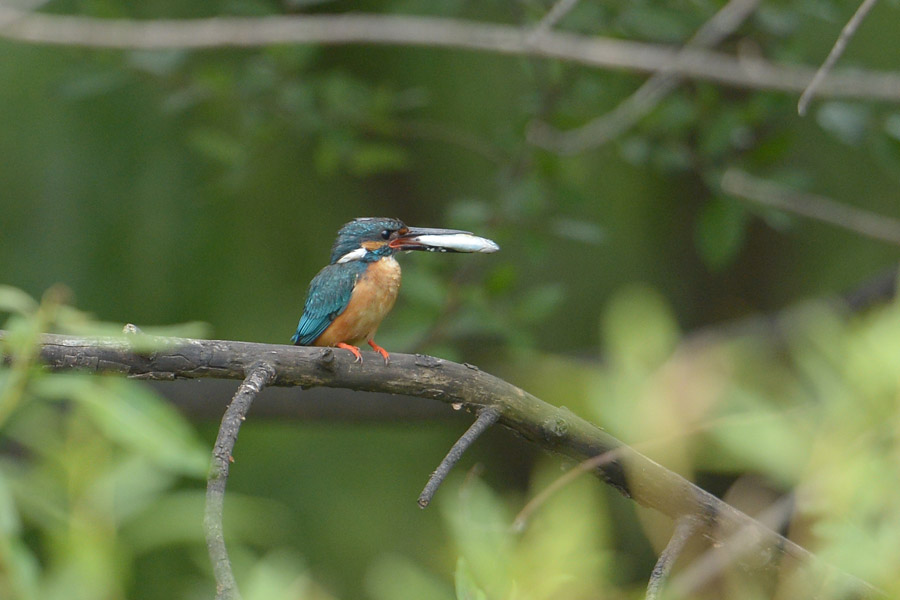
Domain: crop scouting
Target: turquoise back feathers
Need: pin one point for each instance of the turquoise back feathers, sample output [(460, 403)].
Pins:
[(363, 244), (329, 293)]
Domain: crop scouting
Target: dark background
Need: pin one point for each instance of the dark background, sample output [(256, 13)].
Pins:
[(165, 187)]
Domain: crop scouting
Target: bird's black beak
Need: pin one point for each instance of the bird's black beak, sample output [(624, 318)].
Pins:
[(441, 240)]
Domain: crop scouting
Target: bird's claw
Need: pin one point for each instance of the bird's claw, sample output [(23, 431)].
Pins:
[(384, 353), (353, 350)]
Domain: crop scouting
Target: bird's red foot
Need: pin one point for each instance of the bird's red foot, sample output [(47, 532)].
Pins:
[(352, 349), (381, 351)]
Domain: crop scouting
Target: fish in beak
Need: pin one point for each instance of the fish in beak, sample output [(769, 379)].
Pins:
[(442, 240)]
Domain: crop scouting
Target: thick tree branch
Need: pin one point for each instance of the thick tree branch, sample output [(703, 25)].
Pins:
[(555, 429), (403, 30), (258, 376)]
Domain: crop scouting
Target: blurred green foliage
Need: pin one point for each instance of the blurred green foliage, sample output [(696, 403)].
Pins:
[(84, 458), (206, 187), (99, 476)]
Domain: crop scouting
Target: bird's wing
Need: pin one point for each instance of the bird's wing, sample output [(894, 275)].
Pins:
[(328, 296)]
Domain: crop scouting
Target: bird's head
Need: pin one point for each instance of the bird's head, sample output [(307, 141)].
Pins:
[(372, 238)]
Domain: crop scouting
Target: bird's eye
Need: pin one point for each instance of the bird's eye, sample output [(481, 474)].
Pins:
[(386, 234)]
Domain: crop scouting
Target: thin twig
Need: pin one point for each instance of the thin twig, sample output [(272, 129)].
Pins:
[(571, 475), (257, 378), (836, 51), (486, 418), (559, 10), (596, 462), (732, 549), (552, 428), (615, 122), (357, 28), (435, 131), (879, 227), (685, 528)]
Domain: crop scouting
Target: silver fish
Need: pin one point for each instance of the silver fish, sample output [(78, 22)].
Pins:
[(456, 242)]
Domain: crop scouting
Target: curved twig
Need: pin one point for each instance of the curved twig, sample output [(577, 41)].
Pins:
[(609, 125), (406, 30), (555, 429), (685, 529), (731, 549), (556, 13), (836, 51), (486, 418), (258, 376), (585, 466)]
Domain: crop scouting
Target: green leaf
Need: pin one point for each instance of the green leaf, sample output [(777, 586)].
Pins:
[(133, 416), (10, 523), (539, 302), (395, 577), (777, 20), (15, 300), (279, 575), (657, 22), (847, 122), (720, 232), (764, 440), (639, 328), (329, 153), (158, 62), (726, 130), (479, 524), (20, 566), (218, 145), (345, 97), (86, 83), (892, 126), (466, 587), (371, 158)]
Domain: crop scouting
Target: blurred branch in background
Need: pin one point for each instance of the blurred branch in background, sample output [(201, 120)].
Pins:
[(837, 50), (738, 547), (612, 124), (355, 28), (768, 193), (436, 131), (555, 429), (685, 528), (559, 10)]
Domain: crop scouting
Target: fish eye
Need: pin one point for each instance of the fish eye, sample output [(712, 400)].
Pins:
[(386, 234)]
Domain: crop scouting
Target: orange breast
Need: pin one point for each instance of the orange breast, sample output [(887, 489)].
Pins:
[(372, 299)]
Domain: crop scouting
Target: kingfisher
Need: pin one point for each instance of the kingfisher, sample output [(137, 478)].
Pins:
[(348, 298)]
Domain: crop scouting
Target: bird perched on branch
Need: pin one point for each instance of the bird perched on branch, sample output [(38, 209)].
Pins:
[(348, 299)]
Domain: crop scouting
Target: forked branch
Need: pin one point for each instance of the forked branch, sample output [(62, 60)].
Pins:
[(555, 429), (437, 32)]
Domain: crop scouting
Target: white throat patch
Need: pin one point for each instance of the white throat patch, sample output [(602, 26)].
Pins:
[(353, 255)]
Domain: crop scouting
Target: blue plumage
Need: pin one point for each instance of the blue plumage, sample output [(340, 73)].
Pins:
[(362, 260), (351, 234), (329, 293)]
